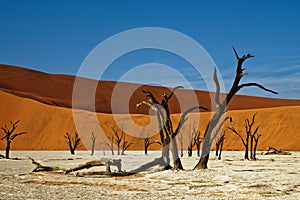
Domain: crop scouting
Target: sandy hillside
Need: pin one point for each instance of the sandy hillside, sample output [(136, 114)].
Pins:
[(46, 125), (57, 90)]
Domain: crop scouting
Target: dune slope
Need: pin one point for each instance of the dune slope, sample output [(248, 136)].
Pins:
[(46, 125)]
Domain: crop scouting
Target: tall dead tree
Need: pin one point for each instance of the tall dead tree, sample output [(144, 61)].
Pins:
[(167, 133), (219, 145), (256, 138), (93, 143), (198, 141), (250, 134), (73, 141), (147, 143), (119, 138), (110, 144), (191, 143), (10, 136), (212, 130), (125, 145)]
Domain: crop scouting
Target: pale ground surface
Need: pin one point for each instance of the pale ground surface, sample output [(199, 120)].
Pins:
[(270, 177)]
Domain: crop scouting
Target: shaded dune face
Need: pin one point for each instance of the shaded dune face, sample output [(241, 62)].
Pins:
[(42, 103), (57, 90)]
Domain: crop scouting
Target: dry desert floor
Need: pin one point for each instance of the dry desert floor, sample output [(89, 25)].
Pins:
[(270, 177)]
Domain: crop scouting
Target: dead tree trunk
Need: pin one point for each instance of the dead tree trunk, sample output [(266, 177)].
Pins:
[(166, 128), (210, 132), (219, 145), (249, 135), (197, 141), (118, 139), (93, 143), (255, 145), (221, 148), (10, 136), (125, 145), (191, 143), (73, 141)]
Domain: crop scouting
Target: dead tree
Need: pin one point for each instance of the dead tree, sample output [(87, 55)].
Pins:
[(73, 141), (167, 133), (147, 143), (125, 145), (10, 136), (250, 134), (256, 138), (212, 130), (191, 143), (94, 163), (110, 144), (119, 139), (93, 143), (198, 141), (219, 145)]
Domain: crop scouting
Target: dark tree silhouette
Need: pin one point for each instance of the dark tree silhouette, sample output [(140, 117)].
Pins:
[(73, 141), (219, 144), (211, 131), (191, 143), (147, 143), (93, 143), (119, 138), (167, 133), (256, 138), (197, 141), (250, 134), (10, 136), (194, 140), (125, 144)]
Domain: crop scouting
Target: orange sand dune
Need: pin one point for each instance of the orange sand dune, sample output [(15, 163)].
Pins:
[(57, 90), (46, 125)]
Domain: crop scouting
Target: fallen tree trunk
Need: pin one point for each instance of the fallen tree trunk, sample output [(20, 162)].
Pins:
[(87, 165), (272, 150)]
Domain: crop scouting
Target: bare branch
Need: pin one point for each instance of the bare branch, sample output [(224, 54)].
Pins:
[(182, 118), (16, 135), (172, 93), (255, 85), (236, 54), (239, 135), (150, 97), (217, 95)]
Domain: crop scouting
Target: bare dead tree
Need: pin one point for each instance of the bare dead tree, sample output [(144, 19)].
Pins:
[(93, 143), (125, 144), (191, 143), (73, 141), (147, 143), (198, 141), (119, 138), (110, 144), (219, 145), (10, 136), (167, 134), (211, 132), (256, 138), (248, 135)]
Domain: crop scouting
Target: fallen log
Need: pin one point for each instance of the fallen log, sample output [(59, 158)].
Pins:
[(272, 151), (102, 162)]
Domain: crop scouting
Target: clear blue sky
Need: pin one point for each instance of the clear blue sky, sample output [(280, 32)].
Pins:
[(55, 36)]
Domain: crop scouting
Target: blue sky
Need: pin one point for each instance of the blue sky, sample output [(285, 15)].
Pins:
[(56, 36)]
